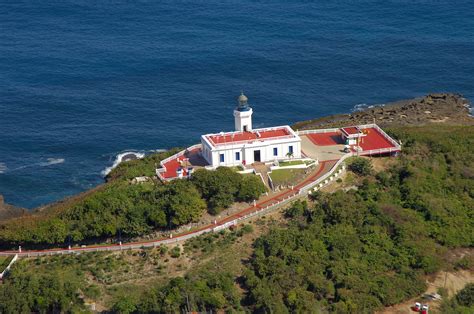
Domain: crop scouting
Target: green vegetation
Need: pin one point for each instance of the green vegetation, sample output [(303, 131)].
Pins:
[(207, 291), (125, 210), (290, 163), (50, 292), (360, 166), (345, 252), (296, 162), (175, 252), (140, 167), (222, 187), (286, 176), (4, 261), (358, 251), (237, 168), (467, 262), (251, 188), (130, 210), (462, 302)]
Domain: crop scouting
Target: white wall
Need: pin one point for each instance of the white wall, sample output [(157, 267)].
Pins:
[(247, 152), (243, 118)]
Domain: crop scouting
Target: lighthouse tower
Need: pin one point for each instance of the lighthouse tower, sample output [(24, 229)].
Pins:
[(243, 115)]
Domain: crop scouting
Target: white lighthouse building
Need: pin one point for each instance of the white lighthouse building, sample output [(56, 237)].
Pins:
[(243, 115), (246, 145)]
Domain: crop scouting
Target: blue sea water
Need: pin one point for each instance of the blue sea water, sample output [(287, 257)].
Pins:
[(82, 81)]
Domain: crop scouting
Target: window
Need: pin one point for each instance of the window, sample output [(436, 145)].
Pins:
[(221, 157), (237, 155), (275, 151), (290, 149)]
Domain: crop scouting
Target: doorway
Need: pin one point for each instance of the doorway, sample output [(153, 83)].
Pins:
[(256, 155)]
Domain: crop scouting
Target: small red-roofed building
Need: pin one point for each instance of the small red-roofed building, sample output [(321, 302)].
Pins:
[(351, 135), (246, 145)]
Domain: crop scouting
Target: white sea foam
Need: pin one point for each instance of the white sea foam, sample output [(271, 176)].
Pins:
[(3, 167), (471, 109), (51, 161), (48, 162), (362, 107), (121, 158)]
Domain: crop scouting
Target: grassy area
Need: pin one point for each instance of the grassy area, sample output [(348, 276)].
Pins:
[(286, 176), (290, 163), (345, 252), (4, 261), (296, 162), (107, 277), (237, 168)]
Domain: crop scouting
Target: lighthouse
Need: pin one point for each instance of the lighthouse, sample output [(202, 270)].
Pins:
[(243, 115)]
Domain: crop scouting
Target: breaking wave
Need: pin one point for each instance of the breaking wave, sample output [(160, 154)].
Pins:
[(48, 162), (3, 167), (51, 161), (362, 107), (470, 109), (121, 158)]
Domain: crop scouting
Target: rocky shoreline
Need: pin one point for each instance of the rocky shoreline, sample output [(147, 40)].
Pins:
[(434, 108), (9, 211)]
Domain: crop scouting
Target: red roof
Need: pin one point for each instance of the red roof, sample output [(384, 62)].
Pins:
[(235, 137), (173, 164), (326, 139), (374, 140), (371, 140), (351, 130)]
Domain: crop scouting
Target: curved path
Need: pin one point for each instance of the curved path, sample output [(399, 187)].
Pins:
[(324, 168)]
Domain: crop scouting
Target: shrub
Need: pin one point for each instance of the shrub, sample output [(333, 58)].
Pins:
[(251, 187), (465, 297), (175, 252), (92, 292), (124, 306), (247, 229), (465, 263), (361, 166)]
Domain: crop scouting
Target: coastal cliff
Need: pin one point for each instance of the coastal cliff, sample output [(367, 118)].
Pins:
[(446, 108), (9, 211)]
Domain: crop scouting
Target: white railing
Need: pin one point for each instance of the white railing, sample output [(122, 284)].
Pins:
[(250, 141), (163, 169), (385, 135), (303, 132), (291, 134), (7, 269), (302, 192), (363, 126), (309, 186)]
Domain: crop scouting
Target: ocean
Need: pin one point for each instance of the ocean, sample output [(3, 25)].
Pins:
[(82, 82)]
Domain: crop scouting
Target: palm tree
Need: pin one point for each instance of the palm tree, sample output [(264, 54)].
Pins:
[(289, 155)]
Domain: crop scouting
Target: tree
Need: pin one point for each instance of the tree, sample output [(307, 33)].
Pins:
[(219, 187), (124, 306), (251, 188), (361, 166), (465, 297), (180, 202)]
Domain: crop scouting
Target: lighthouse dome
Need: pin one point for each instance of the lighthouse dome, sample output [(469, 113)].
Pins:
[(243, 103), (243, 98)]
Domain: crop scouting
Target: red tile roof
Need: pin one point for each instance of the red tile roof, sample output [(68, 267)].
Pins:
[(326, 139), (374, 140), (351, 130), (235, 137), (173, 164)]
